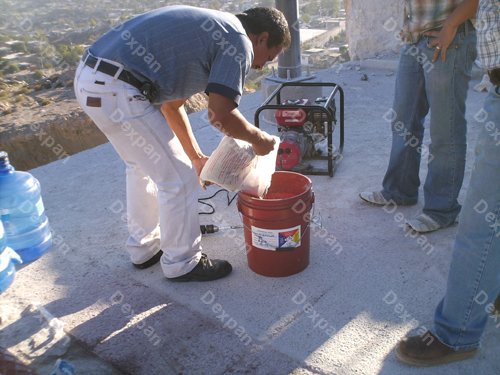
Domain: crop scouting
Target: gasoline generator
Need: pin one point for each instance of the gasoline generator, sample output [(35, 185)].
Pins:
[(305, 127)]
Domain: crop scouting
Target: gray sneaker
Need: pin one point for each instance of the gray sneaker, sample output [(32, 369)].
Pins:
[(374, 197), (423, 223)]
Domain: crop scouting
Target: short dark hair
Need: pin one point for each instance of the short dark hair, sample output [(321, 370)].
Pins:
[(260, 19)]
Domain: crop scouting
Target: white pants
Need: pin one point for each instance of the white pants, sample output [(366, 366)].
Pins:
[(162, 196)]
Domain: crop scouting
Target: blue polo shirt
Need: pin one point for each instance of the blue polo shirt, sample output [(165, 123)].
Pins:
[(183, 49)]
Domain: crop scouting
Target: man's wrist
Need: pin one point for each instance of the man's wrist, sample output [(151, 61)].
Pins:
[(451, 24), (197, 157), (255, 136)]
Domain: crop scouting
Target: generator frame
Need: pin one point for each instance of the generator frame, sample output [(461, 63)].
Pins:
[(331, 157)]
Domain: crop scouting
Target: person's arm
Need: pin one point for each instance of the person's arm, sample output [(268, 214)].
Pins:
[(178, 120), (225, 116), (467, 9)]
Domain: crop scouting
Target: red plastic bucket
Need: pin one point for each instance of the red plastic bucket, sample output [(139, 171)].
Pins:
[(277, 226)]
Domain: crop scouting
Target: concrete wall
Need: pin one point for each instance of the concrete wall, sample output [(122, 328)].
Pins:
[(373, 26)]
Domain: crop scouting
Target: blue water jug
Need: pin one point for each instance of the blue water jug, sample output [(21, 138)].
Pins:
[(7, 259), (22, 212)]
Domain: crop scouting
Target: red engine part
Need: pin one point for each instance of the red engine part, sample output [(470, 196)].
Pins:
[(292, 116), (289, 155)]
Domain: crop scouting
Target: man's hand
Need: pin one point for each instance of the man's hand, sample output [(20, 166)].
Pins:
[(199, 163), (264, 145), (465, 10), (441, 42)]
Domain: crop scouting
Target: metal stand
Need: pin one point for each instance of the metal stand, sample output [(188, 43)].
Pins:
[(326, 112)]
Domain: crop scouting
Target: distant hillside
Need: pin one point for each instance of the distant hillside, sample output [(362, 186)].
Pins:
[(41, 44)]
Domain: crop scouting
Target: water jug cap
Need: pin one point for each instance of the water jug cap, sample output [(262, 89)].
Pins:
[(5, 166)]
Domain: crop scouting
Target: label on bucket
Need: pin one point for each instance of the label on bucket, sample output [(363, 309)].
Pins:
[(276, 239)]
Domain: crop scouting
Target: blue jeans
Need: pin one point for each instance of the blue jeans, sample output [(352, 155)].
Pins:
[(441, 87), (474, 278)]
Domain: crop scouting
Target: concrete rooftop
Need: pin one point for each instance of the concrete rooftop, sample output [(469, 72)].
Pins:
[(366, 294)]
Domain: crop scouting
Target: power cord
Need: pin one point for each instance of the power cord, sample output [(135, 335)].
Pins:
[(212, 208), (210, 228)]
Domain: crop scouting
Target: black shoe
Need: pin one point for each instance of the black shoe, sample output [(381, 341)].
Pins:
[(206, 270), (427, 350), (150, 262)]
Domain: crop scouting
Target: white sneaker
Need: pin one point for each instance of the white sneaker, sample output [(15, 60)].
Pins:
[(374, 197), (423, 224)]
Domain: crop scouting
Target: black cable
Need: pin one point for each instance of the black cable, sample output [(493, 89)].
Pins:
[(201, 200)]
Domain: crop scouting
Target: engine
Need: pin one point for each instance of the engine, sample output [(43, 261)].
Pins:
[(302, 133)]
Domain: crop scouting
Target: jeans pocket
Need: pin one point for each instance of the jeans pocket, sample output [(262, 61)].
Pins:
[(101, 106), (427, 50), (97, 99), (136, 104), (471, 55)]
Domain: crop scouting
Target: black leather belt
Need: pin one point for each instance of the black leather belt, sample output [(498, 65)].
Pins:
[(110, 70), (494, 75)]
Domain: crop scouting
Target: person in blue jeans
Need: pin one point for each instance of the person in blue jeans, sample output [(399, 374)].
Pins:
[(474, 277), (433, 75)]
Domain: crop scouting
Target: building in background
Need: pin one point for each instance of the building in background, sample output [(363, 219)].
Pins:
[(373, 27)]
